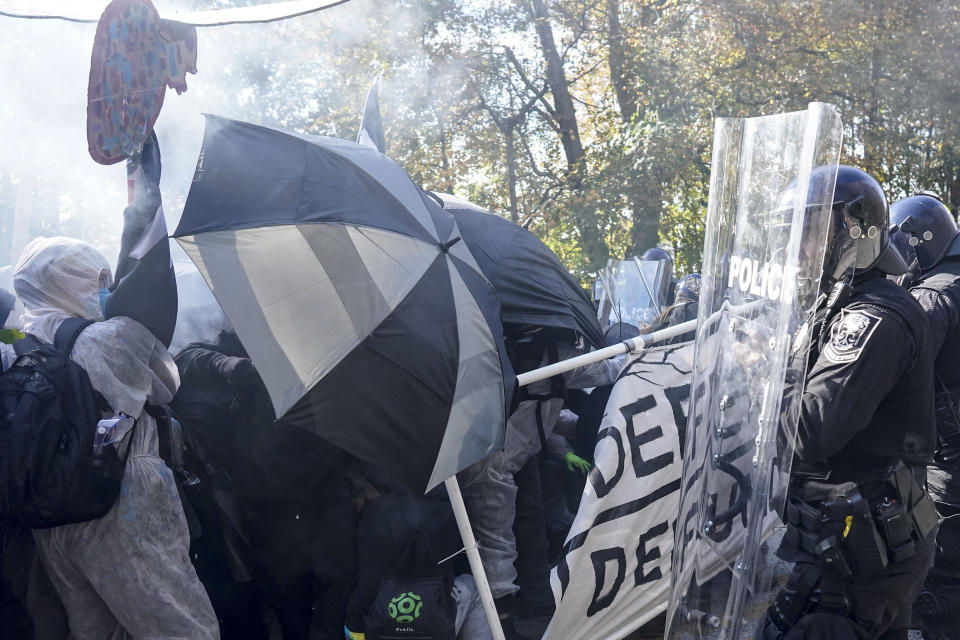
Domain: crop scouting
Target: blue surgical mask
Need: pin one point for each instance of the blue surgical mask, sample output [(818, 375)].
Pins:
[(104, 294)]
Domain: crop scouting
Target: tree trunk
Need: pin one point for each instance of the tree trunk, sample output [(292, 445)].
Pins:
[(951, 171), (617, 58), (645, 230), (511, 156), (507, 126), (565, 113), (445, 184), (645, 208), (872, 135)]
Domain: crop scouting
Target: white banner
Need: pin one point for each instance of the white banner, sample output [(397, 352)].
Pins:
[(614, 575)]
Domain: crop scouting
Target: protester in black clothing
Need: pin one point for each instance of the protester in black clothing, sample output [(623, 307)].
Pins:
[(213, 375), (14, 578), (407, 546), (860, 525), (282, 497), (216, 375)]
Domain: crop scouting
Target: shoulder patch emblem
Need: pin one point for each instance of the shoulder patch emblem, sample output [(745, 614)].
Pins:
[(849, 335)]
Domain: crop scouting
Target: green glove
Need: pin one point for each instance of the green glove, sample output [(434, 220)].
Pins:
[(9, 336), (576, 463)]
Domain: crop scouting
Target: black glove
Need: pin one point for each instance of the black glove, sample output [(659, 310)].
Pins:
[(241, 373)]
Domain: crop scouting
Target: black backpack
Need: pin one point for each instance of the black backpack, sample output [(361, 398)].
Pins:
[(49, 475), (413, 609), (402, 593)]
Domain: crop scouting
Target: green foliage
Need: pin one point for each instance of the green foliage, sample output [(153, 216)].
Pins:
[(647, 88), (469, 105)]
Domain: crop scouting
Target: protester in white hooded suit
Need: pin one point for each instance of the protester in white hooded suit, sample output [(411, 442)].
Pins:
[(127, 574), (490, 487)]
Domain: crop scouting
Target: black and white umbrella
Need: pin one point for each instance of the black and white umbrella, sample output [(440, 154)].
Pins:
[(367, 317), (532, 284)]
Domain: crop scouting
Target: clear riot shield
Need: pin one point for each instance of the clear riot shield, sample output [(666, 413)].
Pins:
[(628, 291), (762, 267)]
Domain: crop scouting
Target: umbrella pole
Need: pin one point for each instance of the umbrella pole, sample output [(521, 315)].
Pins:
[(473, 555), (632, 345)]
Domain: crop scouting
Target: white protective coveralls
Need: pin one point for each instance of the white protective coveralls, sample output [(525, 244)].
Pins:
[(127, 574), (489, 488)]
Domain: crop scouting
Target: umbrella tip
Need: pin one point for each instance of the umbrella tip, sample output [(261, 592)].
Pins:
[(445, 246)]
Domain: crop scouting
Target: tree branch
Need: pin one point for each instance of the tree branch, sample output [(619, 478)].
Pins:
[(511, 56)]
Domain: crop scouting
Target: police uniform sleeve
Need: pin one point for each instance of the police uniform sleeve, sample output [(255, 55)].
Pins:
[(942, 313), (865, 354)]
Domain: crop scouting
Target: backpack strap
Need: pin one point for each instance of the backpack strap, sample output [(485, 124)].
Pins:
[(558, 389), (26, 345), (67, 334)]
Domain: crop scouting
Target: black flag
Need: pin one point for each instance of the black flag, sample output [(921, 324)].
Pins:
[(371, 126), (145, 287)]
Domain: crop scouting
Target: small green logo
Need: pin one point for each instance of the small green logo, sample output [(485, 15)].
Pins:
[(405, 608)]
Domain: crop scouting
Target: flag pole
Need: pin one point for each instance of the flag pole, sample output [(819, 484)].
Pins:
[(473, 555), (453, 486), (638, 344), (134, 176), (632, 345)]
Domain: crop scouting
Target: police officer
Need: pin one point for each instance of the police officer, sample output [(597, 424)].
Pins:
[(927, 237), (663, 287), (860, 526)]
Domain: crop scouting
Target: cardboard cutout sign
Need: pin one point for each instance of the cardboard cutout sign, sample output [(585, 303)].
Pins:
[(136, 56), (90, 10)]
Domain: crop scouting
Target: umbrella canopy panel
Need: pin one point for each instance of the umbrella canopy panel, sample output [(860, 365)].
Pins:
[(370, 323), (319, 290), (532, 284), (254, 176)]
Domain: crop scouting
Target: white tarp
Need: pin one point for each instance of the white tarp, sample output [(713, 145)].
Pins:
[(614, 575), (90, 11)]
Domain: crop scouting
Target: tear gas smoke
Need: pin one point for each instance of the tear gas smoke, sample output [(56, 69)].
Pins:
[(304, 74)]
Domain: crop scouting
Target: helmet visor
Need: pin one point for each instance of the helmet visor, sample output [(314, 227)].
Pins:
[(905, 244)]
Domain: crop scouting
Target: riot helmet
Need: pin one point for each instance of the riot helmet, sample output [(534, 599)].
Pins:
[(688, 288), (664, 284), (857, 233), (619, 332), (656, 253), (925, 231)]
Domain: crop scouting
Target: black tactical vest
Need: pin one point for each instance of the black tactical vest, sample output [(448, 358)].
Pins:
[(903, 424), (945, 280)]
